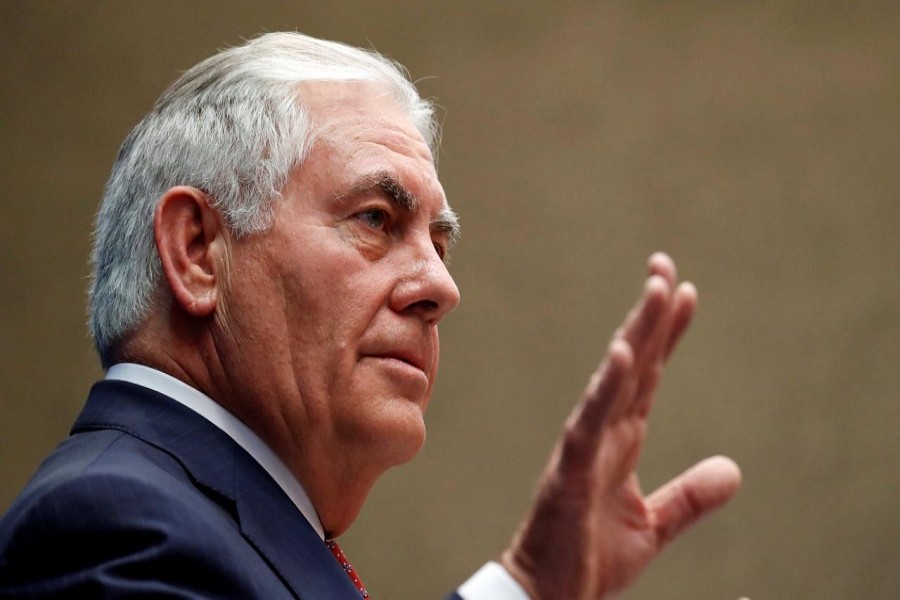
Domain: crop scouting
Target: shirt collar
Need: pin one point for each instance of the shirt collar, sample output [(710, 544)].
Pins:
[(213, 412)]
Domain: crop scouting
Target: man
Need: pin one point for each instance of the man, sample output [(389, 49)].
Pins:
[(268, 283)]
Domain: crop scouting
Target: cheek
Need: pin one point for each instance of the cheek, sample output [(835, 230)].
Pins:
[(252, 313), (327, 314)]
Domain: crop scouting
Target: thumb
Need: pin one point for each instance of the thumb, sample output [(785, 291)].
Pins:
[(697, 492)]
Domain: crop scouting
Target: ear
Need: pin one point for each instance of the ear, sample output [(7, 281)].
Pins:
[(191, 239)]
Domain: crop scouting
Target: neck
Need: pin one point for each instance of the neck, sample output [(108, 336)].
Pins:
[(334, 483)]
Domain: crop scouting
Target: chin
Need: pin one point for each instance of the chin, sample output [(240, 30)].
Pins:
[(412, 444), (393, 435), (404, 437)]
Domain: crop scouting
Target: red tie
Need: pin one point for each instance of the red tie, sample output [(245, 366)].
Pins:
[(348, 568)]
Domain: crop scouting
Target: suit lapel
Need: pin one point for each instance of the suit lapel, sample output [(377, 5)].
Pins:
[(268, 519), (292, 545)]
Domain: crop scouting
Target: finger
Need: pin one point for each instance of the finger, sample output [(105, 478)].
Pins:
[(685, 305), (647, 383), (692, 495), (669, 332), (662, 264), (635, 320), (584, 428), (650, 358), (643, 324), (642, 332), (609, 390)]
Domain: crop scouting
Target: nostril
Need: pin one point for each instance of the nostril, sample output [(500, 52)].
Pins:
[(425, 307)]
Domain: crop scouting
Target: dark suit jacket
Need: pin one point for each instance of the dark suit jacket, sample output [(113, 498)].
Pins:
[(148, 498)]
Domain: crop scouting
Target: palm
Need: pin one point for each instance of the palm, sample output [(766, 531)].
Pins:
[(624, 538), (591, 530)]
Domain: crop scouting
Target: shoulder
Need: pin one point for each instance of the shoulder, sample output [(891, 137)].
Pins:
[(104, 476), (108, 512)]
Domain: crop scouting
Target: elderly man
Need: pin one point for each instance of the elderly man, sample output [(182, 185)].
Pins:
[(268, 283)]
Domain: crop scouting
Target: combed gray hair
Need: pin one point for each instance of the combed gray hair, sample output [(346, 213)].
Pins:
[(234, 127)]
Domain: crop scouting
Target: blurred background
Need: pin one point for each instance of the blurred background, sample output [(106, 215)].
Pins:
[(758, 143)]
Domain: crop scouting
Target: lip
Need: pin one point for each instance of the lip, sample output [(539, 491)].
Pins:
[(407, 358)]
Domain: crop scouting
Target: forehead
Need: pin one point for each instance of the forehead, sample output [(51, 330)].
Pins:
[(361, 127)]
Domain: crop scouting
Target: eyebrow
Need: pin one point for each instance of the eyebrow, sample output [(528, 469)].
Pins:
[(446, 223)]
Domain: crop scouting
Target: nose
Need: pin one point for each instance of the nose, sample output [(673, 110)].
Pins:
[(426, 288)]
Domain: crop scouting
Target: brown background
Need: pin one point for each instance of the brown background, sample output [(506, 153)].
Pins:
[(756, 142)]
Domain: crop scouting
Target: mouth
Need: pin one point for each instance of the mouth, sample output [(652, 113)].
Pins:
[(407, 359), (402, 355), (401, 372)]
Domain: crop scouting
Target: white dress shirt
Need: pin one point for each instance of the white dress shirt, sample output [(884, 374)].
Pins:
[(491, 582)]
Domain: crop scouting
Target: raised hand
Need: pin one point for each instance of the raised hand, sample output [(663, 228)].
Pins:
[(591, 531)]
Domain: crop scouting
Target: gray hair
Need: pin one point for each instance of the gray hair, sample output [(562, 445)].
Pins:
[(234, 127)]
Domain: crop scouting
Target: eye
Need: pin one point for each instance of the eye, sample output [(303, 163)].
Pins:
[(441, 251), (375, 218)]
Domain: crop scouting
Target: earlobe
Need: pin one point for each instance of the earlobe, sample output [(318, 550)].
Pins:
[(190, 238)]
